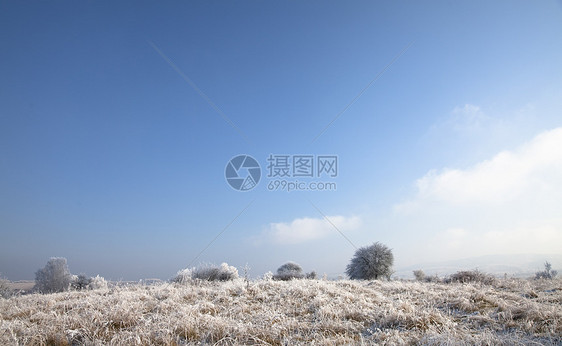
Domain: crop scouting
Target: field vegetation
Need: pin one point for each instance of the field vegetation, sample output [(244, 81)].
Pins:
[(290, 312)]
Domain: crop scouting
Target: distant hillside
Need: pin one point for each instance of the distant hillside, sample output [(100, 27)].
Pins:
[(522, 265), (22, 285)]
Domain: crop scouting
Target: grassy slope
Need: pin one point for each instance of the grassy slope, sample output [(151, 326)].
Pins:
[(295, 312)]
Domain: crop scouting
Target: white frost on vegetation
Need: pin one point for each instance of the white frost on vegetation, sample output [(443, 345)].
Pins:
[(269, 312)]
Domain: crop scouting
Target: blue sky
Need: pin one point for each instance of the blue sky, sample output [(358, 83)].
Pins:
[(111, 158)]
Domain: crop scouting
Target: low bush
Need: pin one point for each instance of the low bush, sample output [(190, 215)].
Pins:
[(183, 276), (433, 278), (208, 272), (267, 276), (80, 282), (466, 276), (419, 275), (97, 283), (83, 282), (289, 271), (312, 275), (5, 289), (547, 273)]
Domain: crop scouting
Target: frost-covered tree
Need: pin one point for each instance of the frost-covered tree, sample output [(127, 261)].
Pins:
[(288, 271), (5, 290), (54, 277), (371, 262), (419, 275)]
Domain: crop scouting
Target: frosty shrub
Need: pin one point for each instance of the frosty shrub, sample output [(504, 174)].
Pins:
[(97, 283), (183, 276), (433, 278), (288, 271), (547, 273), (419, 275), (54, 277), (371, 262), (466, 276), (297, 312), (312, 275), (5, 290), (224, 272), (80, 282), (267, 276), (208, 272)]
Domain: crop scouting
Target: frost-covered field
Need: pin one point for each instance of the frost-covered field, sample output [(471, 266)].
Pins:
[(267, 312)]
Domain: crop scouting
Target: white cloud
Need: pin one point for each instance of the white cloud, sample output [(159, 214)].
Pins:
[(507, 204), (468, 118), (509, 174), (545, 237), (530, 237), (305, 229)]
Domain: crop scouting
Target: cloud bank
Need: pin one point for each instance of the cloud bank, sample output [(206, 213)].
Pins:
[(508, 175), (305, 229), (510, 203)]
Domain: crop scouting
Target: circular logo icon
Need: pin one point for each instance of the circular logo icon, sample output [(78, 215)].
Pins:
[(242, 173)]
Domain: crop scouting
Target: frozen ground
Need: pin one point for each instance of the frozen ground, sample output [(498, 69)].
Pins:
[(266, 312)]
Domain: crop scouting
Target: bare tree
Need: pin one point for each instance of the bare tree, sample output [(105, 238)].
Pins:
[(54, 277), (547, 273), (371, 262)]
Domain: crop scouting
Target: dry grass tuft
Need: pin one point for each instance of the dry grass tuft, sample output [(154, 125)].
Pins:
[(267, 312)]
